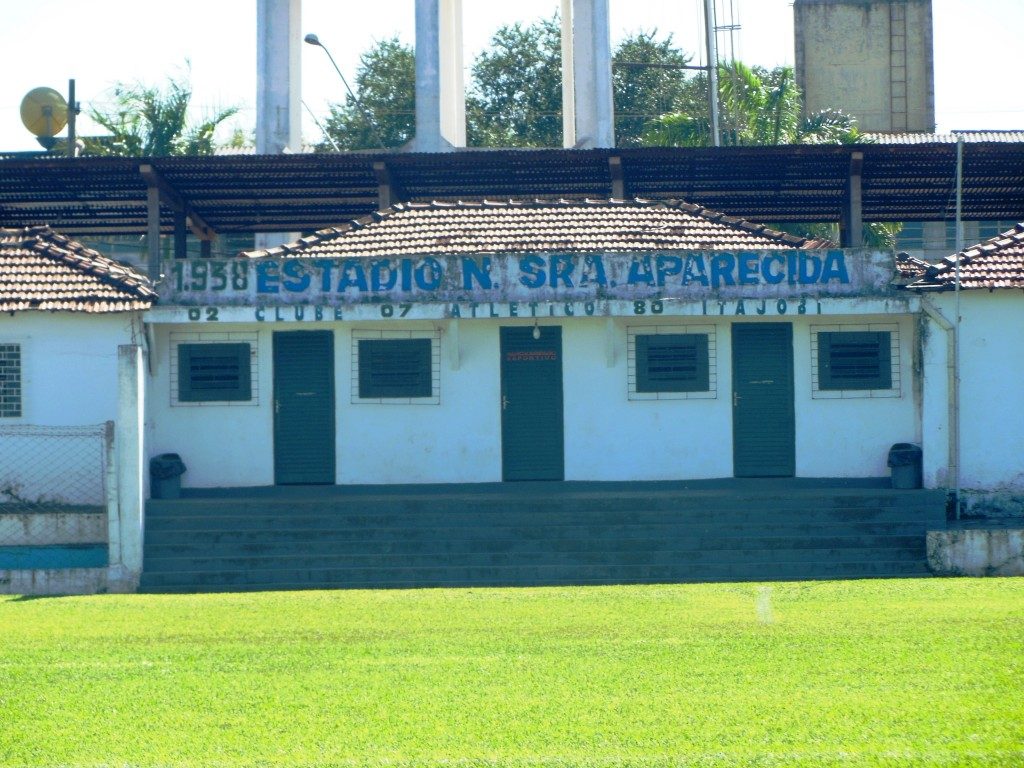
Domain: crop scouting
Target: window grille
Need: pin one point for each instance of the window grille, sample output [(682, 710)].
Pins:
[(390, 368), (10, 381), (676, 362), (214, 372), (854, 360)]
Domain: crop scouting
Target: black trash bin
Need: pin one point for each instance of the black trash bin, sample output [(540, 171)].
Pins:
[(165, 473), (905, 465)]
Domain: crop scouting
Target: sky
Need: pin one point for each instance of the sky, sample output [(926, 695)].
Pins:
[(103, 42)]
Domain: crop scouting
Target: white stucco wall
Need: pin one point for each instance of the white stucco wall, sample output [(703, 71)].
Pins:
[(991, 394), (608, 436), (850, 436), (935, 423), (55, 450), (68, 365), (456, 440), (221, 444)]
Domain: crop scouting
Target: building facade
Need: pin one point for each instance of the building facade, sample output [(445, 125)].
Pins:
[(545, 340)]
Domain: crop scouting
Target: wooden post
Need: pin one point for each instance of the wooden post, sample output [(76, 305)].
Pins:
[(180, 236), (615, 169), (851, 226), (153, 232)]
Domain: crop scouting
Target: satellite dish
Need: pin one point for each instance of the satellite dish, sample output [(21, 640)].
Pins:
[(44, 112)]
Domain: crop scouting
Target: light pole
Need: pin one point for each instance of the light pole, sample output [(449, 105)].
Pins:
[(314, 40)]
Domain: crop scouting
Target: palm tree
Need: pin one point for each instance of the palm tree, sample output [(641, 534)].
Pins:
[(149, 121), (758, 107)]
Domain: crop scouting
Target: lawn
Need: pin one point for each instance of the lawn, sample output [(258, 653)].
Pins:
[(904, 672)]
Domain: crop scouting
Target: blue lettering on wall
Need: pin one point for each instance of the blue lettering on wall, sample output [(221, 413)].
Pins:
[(429, 274), (325, 266), (382, 275), (695, 271), (561, 271), (487, 278), (835, 268), (810, 269), (267, 277), (722, 267), (478, 273), (532, 271), (667, 266), (749, 268), (296, 271), (640, 271), (352, 276), (773, 276), (593, 272)]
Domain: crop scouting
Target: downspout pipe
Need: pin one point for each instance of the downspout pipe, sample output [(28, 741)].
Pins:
[(953, 397)]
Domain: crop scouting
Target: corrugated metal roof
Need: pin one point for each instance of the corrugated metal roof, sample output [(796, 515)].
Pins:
[(969, 137), (304, 193), (530, 226), (995, 263), (43, 270)]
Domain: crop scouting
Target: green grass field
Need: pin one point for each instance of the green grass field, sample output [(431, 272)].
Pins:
[(906, 673)]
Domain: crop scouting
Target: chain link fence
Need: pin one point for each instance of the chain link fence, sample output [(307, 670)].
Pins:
[(53, 485)]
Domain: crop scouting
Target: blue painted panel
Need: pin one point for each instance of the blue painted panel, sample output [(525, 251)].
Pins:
[(66, 556)]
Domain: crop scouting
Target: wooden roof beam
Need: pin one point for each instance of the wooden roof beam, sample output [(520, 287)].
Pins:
[(615, 171), (169, 197), (851, 223)]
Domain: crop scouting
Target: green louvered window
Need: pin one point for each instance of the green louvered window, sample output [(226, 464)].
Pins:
[(672, 362), (395, 368), (854, 360), (214, 372)]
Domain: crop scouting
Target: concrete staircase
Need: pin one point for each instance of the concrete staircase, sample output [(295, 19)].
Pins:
[(538, 533)]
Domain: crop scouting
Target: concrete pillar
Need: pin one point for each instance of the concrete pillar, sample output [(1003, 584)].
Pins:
[(568, 86), (440, 93), (278, 79), (126, 528), (589, 115), (278, 87)]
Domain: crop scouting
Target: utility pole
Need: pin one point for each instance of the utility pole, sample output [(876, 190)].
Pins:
[(710, 30)]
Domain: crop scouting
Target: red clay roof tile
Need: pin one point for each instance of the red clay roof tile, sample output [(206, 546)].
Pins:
[(524, 226), (44, 270), (995, 263)]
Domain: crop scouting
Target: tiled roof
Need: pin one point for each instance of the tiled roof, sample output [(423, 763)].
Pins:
[(969, 137), (910, 267), (513, 226), (995, 263), (41, 269)]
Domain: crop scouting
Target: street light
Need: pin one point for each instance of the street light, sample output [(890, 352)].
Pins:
[(314, 40)]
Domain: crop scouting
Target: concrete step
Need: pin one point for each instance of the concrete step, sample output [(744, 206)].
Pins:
[(354, 578), (458, 546), (668, 557), (462, 537), (204, 520)]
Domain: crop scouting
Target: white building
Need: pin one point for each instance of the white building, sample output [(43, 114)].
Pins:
[(481, 342), (974, 438), (71, 317)]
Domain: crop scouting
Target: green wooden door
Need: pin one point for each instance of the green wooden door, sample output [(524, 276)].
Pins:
[(763, 428), (532, 445), (304, 408)]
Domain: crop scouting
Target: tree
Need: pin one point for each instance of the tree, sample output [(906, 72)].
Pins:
[(149, 121), (516, 96), (760, 107), (757, 107), (649, 80), (385, 84), (515, 93)]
